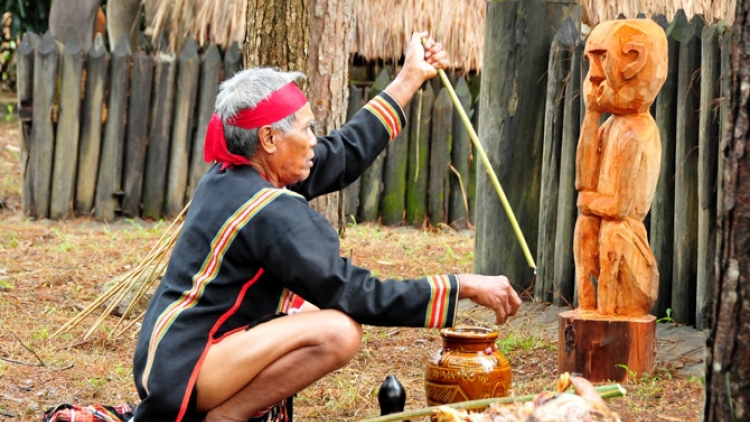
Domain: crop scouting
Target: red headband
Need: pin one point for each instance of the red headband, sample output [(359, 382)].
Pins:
[(276, 106)]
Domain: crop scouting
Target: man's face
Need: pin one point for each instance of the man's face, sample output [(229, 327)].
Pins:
[(294, 152)]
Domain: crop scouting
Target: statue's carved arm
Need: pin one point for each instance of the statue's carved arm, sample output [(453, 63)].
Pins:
[(588, 152), (616, 205)]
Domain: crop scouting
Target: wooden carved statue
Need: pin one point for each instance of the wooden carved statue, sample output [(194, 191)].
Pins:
[(617, 168)]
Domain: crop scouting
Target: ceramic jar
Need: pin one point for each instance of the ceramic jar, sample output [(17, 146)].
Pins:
[(467, 367)]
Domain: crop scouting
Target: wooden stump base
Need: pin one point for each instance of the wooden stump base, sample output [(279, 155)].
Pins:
[(597, 346)]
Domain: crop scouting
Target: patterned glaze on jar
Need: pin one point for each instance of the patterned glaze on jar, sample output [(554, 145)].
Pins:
[(464, 370)]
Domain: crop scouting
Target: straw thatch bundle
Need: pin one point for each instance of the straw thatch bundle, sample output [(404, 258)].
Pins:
[(206, 21), (383, 26), (595, 11)]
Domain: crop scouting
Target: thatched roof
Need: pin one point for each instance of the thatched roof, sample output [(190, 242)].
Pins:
[(595, 11), (383, 26)]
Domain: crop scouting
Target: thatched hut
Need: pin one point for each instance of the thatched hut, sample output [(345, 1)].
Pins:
[(382, 27)]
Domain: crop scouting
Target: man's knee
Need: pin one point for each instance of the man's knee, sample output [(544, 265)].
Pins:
[(343, 335)]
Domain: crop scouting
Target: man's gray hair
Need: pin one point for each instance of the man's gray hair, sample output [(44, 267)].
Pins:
[(245, 90)]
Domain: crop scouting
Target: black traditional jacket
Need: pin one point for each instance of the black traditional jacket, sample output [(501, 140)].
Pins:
[(246, 246)]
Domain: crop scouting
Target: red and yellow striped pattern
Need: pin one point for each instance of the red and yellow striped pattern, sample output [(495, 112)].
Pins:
[(387, 115), (437, 310), (209, 270), (289, 301)]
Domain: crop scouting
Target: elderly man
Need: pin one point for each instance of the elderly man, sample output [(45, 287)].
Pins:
[(223, 338)]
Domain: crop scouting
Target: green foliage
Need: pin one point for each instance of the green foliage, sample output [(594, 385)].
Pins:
[(19, 16), (27, 16), (667, 319)]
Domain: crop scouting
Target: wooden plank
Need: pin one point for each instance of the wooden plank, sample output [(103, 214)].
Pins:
[(419, 156), (24, 92), (135, 147), (393, 202), (110, 164), (458, 195), (557, 70), (210, 75), (68, 131), (372, 177), (661, 232), (440, 152), (511, 127), (708, 148), (351, 192), (232, 61), (157, 153), (42, 145), (97, 65), (564, 271), (685, 258), (182, 129)]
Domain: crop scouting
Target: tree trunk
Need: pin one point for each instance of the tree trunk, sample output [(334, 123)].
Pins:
[(728, 342), (281, 33), (123, 20), (74, 18), (331, 22), (278, 34)]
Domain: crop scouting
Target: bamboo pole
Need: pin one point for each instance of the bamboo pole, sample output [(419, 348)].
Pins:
[(487, 166), (605, 391)]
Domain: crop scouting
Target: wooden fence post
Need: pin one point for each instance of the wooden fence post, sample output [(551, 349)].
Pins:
[(661, 233), (68, 131), (210, 71), (473, 166), (686, 174), (567, 212), (708, 147), (511, 128), (42, 145), (97, 65), (232, 60), (182, 129), (157, 153), (458, 202), (440, 152), (351, 192), (419, 156), (558, 69), (394, 177), (137, 141), (25, 93), (110, 164), (372, 178)]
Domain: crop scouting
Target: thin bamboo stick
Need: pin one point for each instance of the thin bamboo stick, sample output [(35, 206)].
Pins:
[(605, 391), (487, 166)]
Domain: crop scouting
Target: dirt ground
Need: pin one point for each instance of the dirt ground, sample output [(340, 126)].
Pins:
[(51, 270)]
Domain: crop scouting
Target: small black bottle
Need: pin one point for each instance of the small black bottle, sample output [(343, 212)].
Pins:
[(391, 396)]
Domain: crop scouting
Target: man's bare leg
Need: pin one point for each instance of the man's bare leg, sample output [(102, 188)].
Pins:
[(250, 370)]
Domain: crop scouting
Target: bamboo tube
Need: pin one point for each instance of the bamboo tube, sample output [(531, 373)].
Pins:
[(605, 391)]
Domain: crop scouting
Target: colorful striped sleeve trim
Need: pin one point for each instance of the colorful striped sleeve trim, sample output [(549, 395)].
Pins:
[(289, 303), (441, 310), (389, 112), (211, 265)]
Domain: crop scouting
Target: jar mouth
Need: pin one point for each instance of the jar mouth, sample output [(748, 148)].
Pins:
[(469, 332)]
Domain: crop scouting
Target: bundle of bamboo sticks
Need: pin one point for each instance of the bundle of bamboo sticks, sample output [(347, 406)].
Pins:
[(141, 277)]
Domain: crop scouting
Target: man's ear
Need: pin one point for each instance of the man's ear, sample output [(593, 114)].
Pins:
[(636, 56), (266, 140)]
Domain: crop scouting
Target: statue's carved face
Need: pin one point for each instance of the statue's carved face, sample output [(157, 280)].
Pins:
[(626, 69)]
